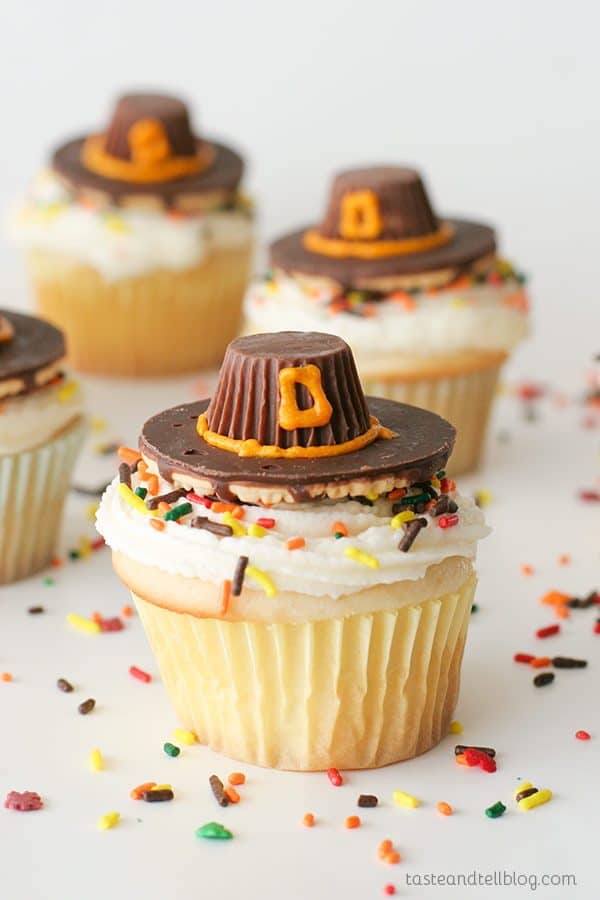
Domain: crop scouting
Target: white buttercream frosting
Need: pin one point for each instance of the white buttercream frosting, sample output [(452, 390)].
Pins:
[(319, 569), (478, 316), (28, 420), (121, 243)]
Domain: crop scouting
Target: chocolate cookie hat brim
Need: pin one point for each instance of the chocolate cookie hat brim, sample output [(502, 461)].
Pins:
[(35, 346)]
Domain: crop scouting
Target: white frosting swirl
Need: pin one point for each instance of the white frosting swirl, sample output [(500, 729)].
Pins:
[(28, 420), (320, 569), (121, 243), (481, 317)]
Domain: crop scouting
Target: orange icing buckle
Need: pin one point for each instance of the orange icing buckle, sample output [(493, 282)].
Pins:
[(7, 331), (290, 417), (251, 447), (360, 216), (151, 159), (341, 249)]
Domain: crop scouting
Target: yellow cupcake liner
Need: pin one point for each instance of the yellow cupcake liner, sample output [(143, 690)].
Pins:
[(161, 323), (33, 488), (355, 692)]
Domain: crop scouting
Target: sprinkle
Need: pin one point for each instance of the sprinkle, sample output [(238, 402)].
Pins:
[(237, 778), (385, 847), (237, 582), (554, 598), (362, 557), (125, 474), (224, 597), (392, 857), (96, 761), (456, 727), (397, 493), (475, 757), (141, 492), (543, 679), (108, 821), (526, 569), (296, 543), (448, 521), (25, 801), (389, 889), (220, 507), (444, 505), (367, 800), (400, 518), (133, 500), (483, 498), (232, 795), (87, 706), (129, 455), (237, 529), (564, 559), (153, 485), (548, 631), (495, 811), (156, 795), (266, 522), (178, 513), (263, 579), (536, 799), (171, 750), (523, 657), (583, 735), (164, 507), (403, 799), (127, 612), (339, 529), (170, 497), (6, 676), (162, 787), (461, 748), (308, 820), (256, 531), (196, 498), (157, 524), (112, 624), (185, 737), (207, 524), (63, 685), (597, 627), (411, 532), (567, 662), (352, 822), (216, 786), (444, 808), (140, 674), (115, 223), (67, 391), (48, 582), (81, 624), (214, 831), (525, 789), (137, 792), (335, 777)]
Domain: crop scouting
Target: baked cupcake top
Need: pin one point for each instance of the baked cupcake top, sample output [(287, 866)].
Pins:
[(291, 477)]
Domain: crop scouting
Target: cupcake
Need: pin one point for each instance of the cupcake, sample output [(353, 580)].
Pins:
[(41, 431), (427, 305), (139, 243), (302, 566)]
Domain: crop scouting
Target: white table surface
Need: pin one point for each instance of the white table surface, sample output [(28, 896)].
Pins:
[(59, 854)]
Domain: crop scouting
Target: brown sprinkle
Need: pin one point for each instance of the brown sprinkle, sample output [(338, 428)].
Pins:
[(171, 497), (367, 800), (526, 793), (87, 706), (411, 531), (63, 685), (125, 474), (214, 527), (237, 582), (216, 786), (35, 610)]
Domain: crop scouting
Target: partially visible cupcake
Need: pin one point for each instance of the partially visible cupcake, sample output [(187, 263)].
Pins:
[(139, 242), (41, 431), (427, 305), (302, 566)]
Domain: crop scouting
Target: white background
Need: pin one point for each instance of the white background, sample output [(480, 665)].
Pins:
[(498, 104)]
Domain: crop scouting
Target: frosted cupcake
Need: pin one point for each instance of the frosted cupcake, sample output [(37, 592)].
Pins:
[(302, 566), (428, 307), (139, 243), (41, 430)]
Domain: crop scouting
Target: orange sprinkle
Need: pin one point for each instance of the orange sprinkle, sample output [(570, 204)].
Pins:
[(6, 676), (129, 455), (152, 485), (96, 617), (526, 570), (340, 528), (392, 857), (554, 598), (56, 562), (564, 559), (142, 470), (460, 759), (238, 512), (225, 597), (237, 778), (451, 485), (396, 493), (136, 793), (158, 524), (308, 819), (163, 506), (405, 300), (353, 822), (232, 795), (127, 611), (562, 612), (220, 507), (540, 662), (385, 847), (444, 808), (296, 543)]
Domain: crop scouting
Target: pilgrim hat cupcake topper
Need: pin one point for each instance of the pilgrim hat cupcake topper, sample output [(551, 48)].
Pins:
[(289, 421)]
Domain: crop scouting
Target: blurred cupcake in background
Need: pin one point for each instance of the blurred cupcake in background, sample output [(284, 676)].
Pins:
[(139, 243), (429, 308), (41, 431)]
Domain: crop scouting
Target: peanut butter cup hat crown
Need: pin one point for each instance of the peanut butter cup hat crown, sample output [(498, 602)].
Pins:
[(380, 223), (31, 353), (289, 422), (149, 156)]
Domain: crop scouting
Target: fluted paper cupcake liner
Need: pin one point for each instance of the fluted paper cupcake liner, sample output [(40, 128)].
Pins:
[(465, 400), (355, 692), (164, 322), (33, 488)]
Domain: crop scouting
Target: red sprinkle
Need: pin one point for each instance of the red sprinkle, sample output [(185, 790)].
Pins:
[(582, 735), (590, 496), (266, 523), (478, 758), (548, 631), (113, 624), (389, 889), (98, 543), (448, 521), (23, 802), (445, 485), (204, 501), (335, 777), (140, 674), (523, 657), (597, 628)]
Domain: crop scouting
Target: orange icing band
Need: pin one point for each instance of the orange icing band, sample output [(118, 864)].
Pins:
[(251, 447), (148, 163), (316, 243), (290, 417)]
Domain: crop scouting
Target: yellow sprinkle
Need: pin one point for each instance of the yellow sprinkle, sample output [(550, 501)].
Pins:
[(263, 579), (116, 223), (456, 727), (136, 502), (96, 761), (97, 423), (184, 737), (68, 389), (82, 624), (407, 515), (483, 498), (162, 787), (238, 530), (535, 799), (458, 303), (108, 821), (372, 496), (91, 511), (272, 287), (49, 212), (362, 557), (84, 547), (522, 786), (403, 799), (256, 531), (435, 482)]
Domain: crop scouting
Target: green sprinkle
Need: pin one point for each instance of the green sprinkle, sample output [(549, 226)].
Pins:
[(474, 608), (73, 554), (171, 749), (495, 811), (48, 581), (214, 831), (182, 510), (141, 492), (338, 535), (414, 499)]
